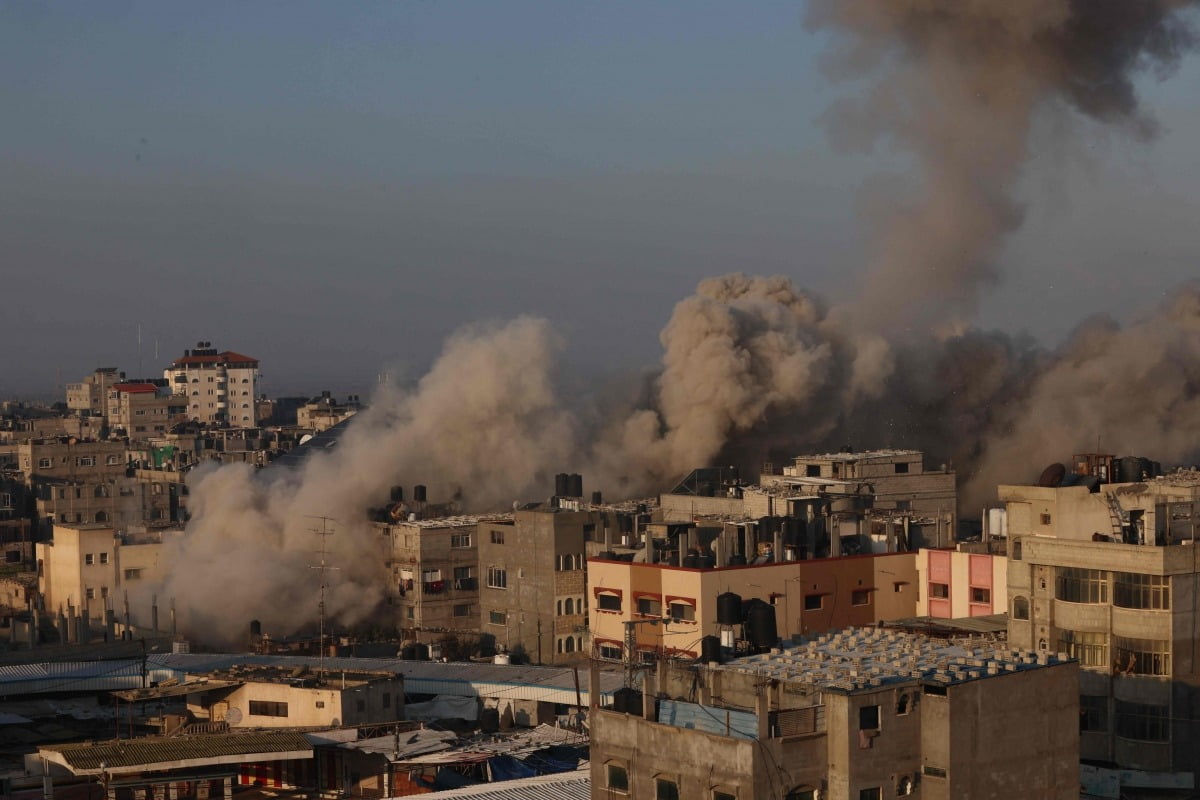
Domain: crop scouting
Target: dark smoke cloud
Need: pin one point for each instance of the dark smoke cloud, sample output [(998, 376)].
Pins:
[(756, 368), (957, 85)]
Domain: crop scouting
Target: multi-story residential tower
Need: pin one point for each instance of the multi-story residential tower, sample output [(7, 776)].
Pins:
[(219, 386), (1109, 574)]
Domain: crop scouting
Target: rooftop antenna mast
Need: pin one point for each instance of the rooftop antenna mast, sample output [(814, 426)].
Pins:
[(324, 567)]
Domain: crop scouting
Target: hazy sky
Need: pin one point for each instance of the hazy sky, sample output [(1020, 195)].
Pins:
[(335, 187)]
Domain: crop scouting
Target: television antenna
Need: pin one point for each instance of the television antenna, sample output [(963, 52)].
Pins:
[(324, 532)]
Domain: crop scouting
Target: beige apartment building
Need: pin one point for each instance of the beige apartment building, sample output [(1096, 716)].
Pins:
[(802, 597), (90, 566), (218, 387), (141, 409), (267, 697), (89, 482), (862, 714), (534, 594), (1109, 574), (434, 566), (89, 397)]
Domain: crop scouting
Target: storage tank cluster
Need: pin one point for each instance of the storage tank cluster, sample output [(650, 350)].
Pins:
[(568, 485), (1127, 469), (757, 618)]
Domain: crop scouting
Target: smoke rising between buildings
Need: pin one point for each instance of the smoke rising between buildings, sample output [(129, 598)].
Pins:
[(756, 367)]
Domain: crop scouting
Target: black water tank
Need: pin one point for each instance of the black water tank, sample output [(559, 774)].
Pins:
[(597, 498), (1146, 467), (760, 626), (255, 628), (706, 561), (710, 649), (691, 561), (562, 484), (1156, 469), (408, 652), (397, 494), (419, 493), (489, 720), (421, 651), (1092, 482), (729, 608), (576, 485), (627, 701), (1129, 470), (625, 523), (1052, 476)]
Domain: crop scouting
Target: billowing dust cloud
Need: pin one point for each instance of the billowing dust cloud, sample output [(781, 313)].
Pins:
[(756, 368)]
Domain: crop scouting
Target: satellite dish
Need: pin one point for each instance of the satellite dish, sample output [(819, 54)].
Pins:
[(335, 722), (233, 716), (305, 438)]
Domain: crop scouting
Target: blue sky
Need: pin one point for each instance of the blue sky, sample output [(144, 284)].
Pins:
[(335, 187)]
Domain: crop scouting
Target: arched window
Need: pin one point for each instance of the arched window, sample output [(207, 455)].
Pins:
[(570, 645), (1016, 549), (1020, 609), (569, 607), (558, 607), (560, 645), (802, 793), (101, 516), (101, 491)]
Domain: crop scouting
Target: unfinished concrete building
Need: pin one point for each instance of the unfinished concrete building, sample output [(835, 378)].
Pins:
[(864, 714)]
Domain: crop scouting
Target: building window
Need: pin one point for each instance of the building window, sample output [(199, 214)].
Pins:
[(868, 718), (1091, 648), (1133, 590), (463, 610), (665, 789), (903, 704), (497, 618), (497, 537), (89, 558), (812, 470), (1146, 723), (610, 651), (112, 460), (90, 593), (1093, 713), (460, 540), (104, 558), (683, 612), (802, 793), (875, 793), (902, 469), (649, 607), (608, 602), (979, 595), (320, 704), (719, 795), (86, 461), (268, 708), (618, 778), (1142, 656), (813, 602), (1020, 608), (860, 597), (133, 574), (940, 591), (1045, 519), (934, 772), (497, 578), (104, 591), (1075, 585), (45, 463)]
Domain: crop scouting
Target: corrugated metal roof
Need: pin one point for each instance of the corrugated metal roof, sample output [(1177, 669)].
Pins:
[(550, 684), (575, 785), (130, 755)]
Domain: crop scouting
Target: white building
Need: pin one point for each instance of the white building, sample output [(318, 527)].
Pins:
[(219, 387)]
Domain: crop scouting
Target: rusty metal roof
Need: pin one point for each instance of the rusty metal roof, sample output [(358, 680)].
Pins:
[(175, 690), (162, 752)]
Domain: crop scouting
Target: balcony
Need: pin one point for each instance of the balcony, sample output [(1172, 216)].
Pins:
[(466, 584), (433, 587)]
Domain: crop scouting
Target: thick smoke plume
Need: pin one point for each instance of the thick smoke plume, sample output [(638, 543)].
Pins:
[(756, 368), (957, 86)]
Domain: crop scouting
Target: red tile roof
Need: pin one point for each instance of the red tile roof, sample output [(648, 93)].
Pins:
[(228, 357), (134, 388)]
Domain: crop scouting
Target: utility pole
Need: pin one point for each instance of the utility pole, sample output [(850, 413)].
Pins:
[(630, 659), (324, 567)]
